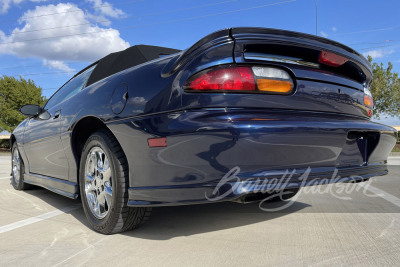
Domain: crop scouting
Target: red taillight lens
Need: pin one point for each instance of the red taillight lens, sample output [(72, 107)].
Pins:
[(331, 59), (223, 79), (233, 78)]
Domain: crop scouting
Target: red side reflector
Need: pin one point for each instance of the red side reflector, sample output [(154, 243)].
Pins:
[(157, 142), (331, 59)]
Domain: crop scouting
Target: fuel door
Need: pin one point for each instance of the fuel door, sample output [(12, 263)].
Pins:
[(119, 98)]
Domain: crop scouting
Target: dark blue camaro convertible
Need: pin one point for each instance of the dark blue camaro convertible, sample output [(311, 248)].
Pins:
[(153, 126)]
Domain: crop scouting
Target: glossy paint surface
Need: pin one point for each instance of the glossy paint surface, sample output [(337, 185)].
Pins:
[(319, 126), (42, 137), (204, 145)]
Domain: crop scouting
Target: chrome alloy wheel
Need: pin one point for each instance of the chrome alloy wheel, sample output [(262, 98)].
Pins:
[(16, 166), (98, 184)]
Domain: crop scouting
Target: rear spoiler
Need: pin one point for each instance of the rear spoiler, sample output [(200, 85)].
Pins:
[(213, 39), (263, 41), (302, 47)]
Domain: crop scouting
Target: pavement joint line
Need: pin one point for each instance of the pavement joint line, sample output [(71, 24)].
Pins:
[(32, 220), (382, 194), (83, 250), (3, 178)]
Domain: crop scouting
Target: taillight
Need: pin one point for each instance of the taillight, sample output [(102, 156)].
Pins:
[(273, 80), (232, 78), (331, 59), (368, 101), (228, 78)]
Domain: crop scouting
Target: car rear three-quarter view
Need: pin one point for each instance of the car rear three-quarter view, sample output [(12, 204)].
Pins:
[(152, 126)]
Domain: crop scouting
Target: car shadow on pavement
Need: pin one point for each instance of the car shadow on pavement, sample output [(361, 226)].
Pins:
[(169, 222)]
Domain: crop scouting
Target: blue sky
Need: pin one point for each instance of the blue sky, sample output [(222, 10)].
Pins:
[(370, 27)]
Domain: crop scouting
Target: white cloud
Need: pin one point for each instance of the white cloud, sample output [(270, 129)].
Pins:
[(6, 4), (98, 19), (323, 34), (106, 9), (74, 46), (334, 29), (102, 10), (379, 53), (58, 65)]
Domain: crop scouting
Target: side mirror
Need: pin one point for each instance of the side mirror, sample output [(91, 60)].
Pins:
[(30, 110), (44, 115)]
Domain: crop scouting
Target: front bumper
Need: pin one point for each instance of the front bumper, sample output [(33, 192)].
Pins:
[(205, 145)]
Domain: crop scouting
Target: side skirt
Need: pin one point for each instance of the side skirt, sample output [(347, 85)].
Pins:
[(62, 187)]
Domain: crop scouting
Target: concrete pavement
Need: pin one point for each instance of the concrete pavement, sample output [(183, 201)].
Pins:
[(323, 227)]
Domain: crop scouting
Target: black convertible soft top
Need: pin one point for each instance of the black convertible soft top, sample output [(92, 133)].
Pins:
[(132, 56)]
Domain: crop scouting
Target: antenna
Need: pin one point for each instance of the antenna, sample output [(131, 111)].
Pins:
[(316, 17)]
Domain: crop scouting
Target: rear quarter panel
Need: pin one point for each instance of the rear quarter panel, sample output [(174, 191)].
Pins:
[(148, 92)]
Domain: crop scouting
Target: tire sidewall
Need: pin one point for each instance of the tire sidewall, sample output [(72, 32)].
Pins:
[(98, 140), (17, 185)]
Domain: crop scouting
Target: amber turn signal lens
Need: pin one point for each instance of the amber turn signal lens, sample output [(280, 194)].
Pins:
[(368, 100), (275, 86)]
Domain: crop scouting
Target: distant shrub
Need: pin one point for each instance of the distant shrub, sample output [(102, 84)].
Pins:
[(5, 143)]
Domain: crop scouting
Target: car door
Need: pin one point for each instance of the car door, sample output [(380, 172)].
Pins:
[(42, 136), (43, 146)]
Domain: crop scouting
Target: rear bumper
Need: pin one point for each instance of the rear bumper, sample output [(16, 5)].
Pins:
[(273, 148), (234, 185)]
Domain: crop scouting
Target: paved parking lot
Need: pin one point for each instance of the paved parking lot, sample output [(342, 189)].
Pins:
[(38, 227)]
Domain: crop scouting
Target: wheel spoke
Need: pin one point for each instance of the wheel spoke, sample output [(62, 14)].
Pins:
[(93, 161), (106, 163), (97, 207), (99, 158), (107, 175), (91, 167), (108, 194), (91, 200), (103, 201), (98, 182), (90, 177), (90, 188), (16, 166)]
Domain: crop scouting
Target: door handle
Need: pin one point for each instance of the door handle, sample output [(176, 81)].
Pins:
[(57, 114)]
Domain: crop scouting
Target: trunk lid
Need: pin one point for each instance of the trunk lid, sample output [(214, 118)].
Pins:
[(319, 87), (302, 52)]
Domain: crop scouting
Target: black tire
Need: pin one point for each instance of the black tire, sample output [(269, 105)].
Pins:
[(17, 181), (119, 216)]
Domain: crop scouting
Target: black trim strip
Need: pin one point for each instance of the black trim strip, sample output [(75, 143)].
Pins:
[(145, 116), (62, 187)]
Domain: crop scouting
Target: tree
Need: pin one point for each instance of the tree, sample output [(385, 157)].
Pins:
[(15, 93), (385, 89)]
